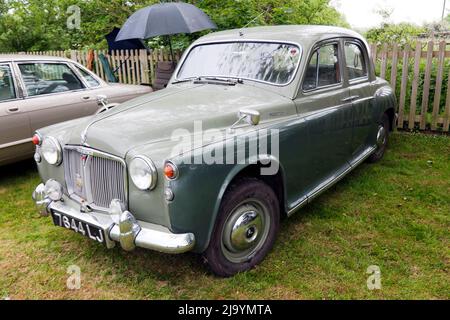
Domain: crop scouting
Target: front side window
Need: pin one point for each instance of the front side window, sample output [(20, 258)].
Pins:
[(46, 78), (7, 90), (323, 68), (91, 81), (274, 63), (354, 58)]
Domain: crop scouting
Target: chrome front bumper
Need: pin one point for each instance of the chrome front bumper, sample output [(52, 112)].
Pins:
[(119, 226)]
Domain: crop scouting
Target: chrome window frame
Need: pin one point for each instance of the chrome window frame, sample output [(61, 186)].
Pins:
[(15, 83), (292, 79), (363, 49), (25, 90), (76, 67), (94, 153), (341, 82)]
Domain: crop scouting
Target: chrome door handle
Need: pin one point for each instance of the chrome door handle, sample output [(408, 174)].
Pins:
[(86, 98), (13, 109), (350, 99)]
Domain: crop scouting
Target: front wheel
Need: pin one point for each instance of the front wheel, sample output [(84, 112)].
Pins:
[(246, 228)]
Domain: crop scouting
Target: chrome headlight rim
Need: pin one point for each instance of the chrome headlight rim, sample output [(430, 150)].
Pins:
[(153, 173), (58, 147)]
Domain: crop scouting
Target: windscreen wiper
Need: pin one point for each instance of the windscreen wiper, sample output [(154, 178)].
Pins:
[(212, 80), (219, 80), (186, 80)]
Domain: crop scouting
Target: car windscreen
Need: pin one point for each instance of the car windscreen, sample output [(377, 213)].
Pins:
[(275, 63)]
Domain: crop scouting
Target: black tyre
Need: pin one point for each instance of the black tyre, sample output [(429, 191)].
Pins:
[(245, 229), (382, 140)]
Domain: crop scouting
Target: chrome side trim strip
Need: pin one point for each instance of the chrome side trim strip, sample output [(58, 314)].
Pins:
[(15, 143), (325, 185), (300, 204)]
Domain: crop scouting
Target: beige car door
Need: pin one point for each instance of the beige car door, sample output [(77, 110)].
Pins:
[(54, 93), (15, 131)]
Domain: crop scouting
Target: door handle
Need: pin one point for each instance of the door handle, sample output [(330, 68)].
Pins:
[(350, 99), (86, 98), (13, 109)]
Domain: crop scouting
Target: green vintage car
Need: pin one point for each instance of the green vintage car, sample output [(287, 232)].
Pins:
[(254, 124)]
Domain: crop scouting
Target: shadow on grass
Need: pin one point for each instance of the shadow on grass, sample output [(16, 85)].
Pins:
[(18, 170)]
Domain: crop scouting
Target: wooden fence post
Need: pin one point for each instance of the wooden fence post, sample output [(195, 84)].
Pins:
[(384, 59), (438, 88), (401, 105), (144, 66), (394, 67), (415, 85), (426, 85), (73, 55), (447, 108)]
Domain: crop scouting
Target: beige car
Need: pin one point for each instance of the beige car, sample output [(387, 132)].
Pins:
[(37, 91)]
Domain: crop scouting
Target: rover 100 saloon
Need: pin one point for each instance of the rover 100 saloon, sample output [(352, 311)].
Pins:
[(254, 124)]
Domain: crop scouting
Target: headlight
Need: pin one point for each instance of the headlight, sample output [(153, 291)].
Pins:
[(143, 173), (51, 150)]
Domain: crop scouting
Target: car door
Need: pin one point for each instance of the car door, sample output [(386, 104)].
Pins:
[(54, 93), (361, 93), (324, 105), (15, 131)]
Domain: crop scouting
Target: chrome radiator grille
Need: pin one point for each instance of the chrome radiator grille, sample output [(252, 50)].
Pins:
[(94, 176)]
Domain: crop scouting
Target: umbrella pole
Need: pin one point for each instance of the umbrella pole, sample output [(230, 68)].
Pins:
[(171, 50)]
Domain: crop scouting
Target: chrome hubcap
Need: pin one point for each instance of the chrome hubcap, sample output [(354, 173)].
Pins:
[(381, 137), (245, 231)]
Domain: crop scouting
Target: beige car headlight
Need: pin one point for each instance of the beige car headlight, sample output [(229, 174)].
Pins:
[(51, 151), (143, 173)]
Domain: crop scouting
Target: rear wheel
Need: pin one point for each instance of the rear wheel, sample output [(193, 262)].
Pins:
[(382, 140), (245, 229)]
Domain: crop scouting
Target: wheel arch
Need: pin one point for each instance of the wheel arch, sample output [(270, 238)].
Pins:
[(387, 104), (252, 169)]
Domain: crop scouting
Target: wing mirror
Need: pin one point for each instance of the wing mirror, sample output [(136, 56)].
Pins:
[(102, 100), (252, 117)]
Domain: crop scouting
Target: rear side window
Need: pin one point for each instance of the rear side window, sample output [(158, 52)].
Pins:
[(323, 68), (46, 78), (355, 61), (7, 91), (91, 81)]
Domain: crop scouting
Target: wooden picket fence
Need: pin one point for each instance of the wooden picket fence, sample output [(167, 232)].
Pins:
[(418, 75), (133, 66)]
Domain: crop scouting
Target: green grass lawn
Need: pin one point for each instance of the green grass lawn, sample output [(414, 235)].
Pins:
[(394, 214)]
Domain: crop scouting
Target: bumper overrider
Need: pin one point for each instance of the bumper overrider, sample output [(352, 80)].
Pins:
[(118, 225)]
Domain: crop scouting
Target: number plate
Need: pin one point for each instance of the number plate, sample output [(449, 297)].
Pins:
[(88, 230)]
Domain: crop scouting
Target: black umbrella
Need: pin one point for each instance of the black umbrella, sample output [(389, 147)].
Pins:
[(165, 19), (130, 44)]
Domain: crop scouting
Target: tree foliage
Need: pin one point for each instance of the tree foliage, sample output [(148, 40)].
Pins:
[(401, 33), (40, 25)]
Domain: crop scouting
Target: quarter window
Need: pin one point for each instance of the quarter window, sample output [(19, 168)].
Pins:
[(91, 81), (46, 78), (356, 64), (323, 68), (7, 91)]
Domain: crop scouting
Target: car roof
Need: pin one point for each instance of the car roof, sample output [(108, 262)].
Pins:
[(30, 57), (302, 34)]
